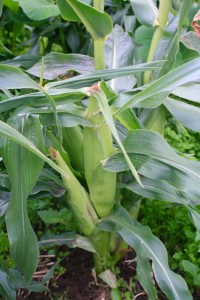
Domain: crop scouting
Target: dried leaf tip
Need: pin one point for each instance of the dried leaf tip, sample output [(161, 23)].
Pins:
[(94, 88), (196, 25), (53, 153)]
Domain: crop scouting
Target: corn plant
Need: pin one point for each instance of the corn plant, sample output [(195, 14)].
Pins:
[(98, 133)]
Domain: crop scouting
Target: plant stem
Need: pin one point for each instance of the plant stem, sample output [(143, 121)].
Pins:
[(99, 61), (157, 117), (158, 33), (99, 5)]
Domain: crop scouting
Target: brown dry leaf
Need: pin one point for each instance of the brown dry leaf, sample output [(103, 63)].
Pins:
[(196, 25)]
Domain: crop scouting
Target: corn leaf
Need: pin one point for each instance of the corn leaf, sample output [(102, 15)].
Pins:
[(169, 45), (87, 80), (188, 91), (191, 41), (13, 135), (38, 99), (154, 158), (23, 175), (145, 11), (163, 191), (39, 9), (59, 64), (98, 24), (5, 288), (14, 78), (105, 109), (119, 53), (25, 61), (67, 11), (147, 245), (155, 93), (144, 275), (187, 114), (71, 239)]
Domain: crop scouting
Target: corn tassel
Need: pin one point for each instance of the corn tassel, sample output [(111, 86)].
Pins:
[(78, 198), (98, 146)]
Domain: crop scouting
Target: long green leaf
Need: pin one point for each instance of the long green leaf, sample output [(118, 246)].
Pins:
[(5, 288), (184, 9), (67, 11), (98, 24), (105, 109), (71, 239), (188, 114), (87, 80), (23, 175), (39, 9), (25, 61), (145, 11), (38, 99), (144, 275), (118, 54), (191, 41), (58, 64), (13, 135), (163, 191), (14, 78), (169, 45), (147, 245), (188, 91), (154, 158), (155, 93)]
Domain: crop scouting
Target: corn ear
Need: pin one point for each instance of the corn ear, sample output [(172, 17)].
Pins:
[(73, 144), (98, 146), (78, 198)]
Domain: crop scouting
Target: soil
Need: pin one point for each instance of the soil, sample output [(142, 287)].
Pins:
[(78, 283)]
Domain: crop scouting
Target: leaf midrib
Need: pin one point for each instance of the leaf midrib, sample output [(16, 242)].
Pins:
[(116, 220)]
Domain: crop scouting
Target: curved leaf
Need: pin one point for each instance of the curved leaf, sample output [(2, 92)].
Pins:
[(155, 93), (163, 191), (59, 64), (105, 109), (145, 11), (144, 275), (38, 99), (23, 175), (188, 114), (25, 61), (90, 17), (14, 78), (5, 288), (147, 245), (87, 80), (191, 41), (188, 91), (67, 11), (13, 135), (118, 54), (39, 9), (71, 239), (154, 158)]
